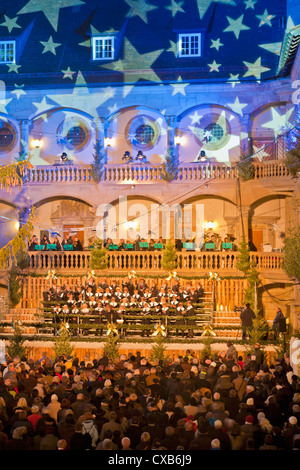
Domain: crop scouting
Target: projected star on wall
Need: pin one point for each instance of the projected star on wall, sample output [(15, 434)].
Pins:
[(203, 5), (42, 109), (265, 18), (3, 104), (175, 7), (173, 48), (50, 9), (139, 8), (68, 73), (50, 46), (274, 47), (260, 153), (13, 68), (134, 61), (279, 122), (214, 67), (255, 69), (216, 43), (10, 23), (236, 26), (18, 91), (250, 4), (237, 107), (195, 118), (233, 79), (179, 87)]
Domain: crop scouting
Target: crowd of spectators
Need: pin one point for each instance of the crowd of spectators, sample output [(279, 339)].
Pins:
[(212, 402)]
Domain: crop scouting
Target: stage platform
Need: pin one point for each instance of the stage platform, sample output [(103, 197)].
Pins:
[(94, 349)]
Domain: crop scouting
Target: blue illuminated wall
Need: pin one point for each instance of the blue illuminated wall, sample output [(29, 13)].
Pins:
[(235, 91)]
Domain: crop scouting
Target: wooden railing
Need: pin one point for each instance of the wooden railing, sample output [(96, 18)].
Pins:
[(192, 262), (144, 173)]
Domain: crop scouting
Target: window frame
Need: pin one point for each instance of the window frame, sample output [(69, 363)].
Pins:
[(6, 43), (103, 38), (190, 36)]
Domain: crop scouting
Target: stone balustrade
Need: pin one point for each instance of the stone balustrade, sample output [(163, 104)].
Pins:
[(193, 262), (143, 173)]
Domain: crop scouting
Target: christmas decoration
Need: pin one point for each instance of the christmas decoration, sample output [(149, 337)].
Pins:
[(51, 274), (98, 259), (172, 275), (170, 166), (12, 175), (169, 256), (100, 159), (159, 330), (208, 331), (62, 345), (19, 242)]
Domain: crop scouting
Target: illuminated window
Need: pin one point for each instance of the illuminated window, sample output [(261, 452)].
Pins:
[(144, 134), (103, 48), (214, 133), (189, 45), (7, 52)]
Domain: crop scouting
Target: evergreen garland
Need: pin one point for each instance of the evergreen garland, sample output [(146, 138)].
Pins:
[(16, 347), (245, 167), (291, 263), (244, 264), (170, 166), (169, 256), (98, 259), (62, 344), (100, 159)]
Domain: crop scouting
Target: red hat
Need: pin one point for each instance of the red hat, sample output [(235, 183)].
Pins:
[(249, 419)]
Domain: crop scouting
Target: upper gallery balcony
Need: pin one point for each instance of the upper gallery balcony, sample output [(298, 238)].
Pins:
[(151, 173)]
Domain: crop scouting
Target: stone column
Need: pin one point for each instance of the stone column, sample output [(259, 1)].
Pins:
[(244, 133), (172, 124), (100, 131), (24, 125)]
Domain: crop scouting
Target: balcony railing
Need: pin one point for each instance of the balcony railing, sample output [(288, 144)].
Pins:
[(187, 262), (144, 173)]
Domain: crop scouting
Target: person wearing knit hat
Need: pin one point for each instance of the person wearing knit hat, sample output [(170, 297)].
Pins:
[(215, 444)]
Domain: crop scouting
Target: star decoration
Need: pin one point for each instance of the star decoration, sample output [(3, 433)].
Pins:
[(175, 7), (233, 79), (214, 67), (237, 107), (275, 227), (50, 46), (179, 87), (68, 73), (259, 152), (41, 108), (279, 122), (203, 5), (250, 4), (236, 26), (18, 91), (266, 18), (10, 23), (134, 60), (173, 48), (3, 104), (216, 44), (50, 9), (140, 8), (13, 68), (195, 118), (274, 47), (255, 69)]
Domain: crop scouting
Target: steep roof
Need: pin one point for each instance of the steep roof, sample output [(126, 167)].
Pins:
[(241, 40)]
